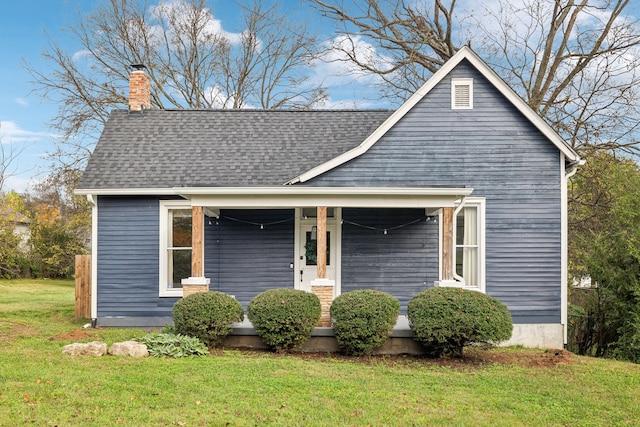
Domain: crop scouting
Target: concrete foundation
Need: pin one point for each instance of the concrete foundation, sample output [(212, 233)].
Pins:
[(546, 335), (243, 335)]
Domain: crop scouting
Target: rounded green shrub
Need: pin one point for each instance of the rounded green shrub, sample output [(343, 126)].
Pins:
[(284, 318), (207, 316), (363, 320), (445, 320)]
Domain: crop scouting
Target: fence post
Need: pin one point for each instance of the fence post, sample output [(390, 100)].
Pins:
[(83, 286)]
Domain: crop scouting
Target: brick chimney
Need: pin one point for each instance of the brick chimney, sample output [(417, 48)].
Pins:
[(139, 89)]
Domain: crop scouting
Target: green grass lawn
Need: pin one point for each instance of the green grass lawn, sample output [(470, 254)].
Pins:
[(504, 387)]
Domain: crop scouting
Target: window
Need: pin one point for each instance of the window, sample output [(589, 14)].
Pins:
[(469, 245), (175, 246), (461, 94)]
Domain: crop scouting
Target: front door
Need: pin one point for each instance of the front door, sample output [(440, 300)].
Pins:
[(308, 255)]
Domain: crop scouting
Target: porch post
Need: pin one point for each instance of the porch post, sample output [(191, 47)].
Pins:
[(197, 282), (322, 242), (197, 248), (322, 287), (447, 244)]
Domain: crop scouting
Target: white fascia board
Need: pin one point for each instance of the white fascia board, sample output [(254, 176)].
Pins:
[(124, 191), (298, 196), (464, 53), (303, 196)]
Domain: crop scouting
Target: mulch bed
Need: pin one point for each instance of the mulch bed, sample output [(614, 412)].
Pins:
[(75, 335), (474, 358)]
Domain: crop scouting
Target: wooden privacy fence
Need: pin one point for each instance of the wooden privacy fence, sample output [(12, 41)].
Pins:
[(83, 286)]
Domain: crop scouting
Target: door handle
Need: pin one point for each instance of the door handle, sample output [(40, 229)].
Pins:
[(301, 272)]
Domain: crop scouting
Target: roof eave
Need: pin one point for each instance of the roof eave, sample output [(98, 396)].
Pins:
[(301, 196)]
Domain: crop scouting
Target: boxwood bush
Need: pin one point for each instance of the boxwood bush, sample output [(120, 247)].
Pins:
[(363, 320), (445, 320), (284, 318), (207, 316)]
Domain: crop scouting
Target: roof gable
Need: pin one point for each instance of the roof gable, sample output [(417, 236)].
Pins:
[(463, 54)]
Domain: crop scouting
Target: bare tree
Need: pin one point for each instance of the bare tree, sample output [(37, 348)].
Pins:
[(191, 60), (9, 153), (575, 62), (414, 40)]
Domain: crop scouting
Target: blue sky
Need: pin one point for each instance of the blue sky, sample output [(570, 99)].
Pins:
[(25, 29), (24, 115)]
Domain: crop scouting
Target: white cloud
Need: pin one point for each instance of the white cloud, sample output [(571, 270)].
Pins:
[(80, 55), (11, 133), (347, 104), (179, 14), (17, 184), (22, 101), (334, 69)]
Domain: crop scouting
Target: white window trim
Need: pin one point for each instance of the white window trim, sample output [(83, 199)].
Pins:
[(165, 207), (461, 82), (480, 204)]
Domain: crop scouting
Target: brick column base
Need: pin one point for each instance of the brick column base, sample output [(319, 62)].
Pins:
[(323, 289), (193, 285)]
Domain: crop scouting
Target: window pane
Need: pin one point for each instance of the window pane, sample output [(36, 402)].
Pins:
[(460, 227), (181, 228), (467, 265), (467, 226), (467, 251), (311, 249), (179, 266)]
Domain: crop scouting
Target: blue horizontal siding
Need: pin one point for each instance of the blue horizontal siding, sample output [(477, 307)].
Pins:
[(128, 264), (240, 258), (402, 262), (243, 259), (496, 151)]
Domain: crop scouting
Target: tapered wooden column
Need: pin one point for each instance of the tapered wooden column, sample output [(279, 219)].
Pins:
[(322, 242), (197, 282), (197, 248), (322, 287), (447, 244)]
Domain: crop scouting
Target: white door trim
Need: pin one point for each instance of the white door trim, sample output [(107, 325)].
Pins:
[(297, 263)]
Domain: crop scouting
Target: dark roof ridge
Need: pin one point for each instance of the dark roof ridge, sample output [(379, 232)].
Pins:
[(266, 110)]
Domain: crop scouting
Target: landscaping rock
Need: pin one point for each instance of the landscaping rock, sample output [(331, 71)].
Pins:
[(94, 348), (129, 348)]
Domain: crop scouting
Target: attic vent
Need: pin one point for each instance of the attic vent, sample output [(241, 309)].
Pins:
[(461, 94)]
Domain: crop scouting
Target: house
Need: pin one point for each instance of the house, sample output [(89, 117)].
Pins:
[(19, 224), (463, 185)]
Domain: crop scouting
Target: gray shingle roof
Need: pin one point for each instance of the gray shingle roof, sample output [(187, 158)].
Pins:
[(221, 148)]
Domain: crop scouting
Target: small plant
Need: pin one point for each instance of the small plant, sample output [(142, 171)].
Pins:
[(207, 316), (173, 345), (168, 329), (445, 320), (363, 320), (284, 318)]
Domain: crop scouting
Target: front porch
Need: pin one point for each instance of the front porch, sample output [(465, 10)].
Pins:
[(334, 239)]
